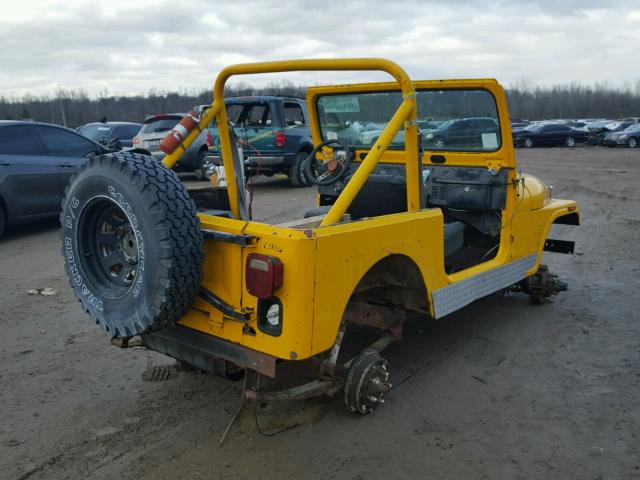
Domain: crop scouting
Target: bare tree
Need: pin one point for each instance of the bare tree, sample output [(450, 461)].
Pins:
[(526, 101)]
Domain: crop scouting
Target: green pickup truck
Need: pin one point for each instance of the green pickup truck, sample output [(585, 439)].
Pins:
[(274, 135)]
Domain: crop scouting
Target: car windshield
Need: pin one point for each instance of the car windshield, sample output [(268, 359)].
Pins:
[(160, 125), (534, 128), (445, 125), (255, 114), (95, 132), (455, 120), (633, 128)]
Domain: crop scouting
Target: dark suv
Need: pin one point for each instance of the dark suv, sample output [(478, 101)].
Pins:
[(273, 132)]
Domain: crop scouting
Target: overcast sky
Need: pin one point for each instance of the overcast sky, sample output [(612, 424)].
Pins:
[(130, 46)]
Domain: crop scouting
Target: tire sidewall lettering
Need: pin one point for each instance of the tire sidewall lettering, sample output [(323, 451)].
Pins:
[(72, 215), (73, 269)]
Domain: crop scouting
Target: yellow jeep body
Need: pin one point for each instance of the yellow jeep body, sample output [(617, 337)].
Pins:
[(324, 262)]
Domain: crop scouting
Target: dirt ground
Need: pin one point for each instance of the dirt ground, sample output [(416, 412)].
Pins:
[(499, 390)]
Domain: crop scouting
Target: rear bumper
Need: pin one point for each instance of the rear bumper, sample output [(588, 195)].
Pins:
[(201, 350)]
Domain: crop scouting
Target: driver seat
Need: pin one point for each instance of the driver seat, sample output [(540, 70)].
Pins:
[(382, 194)]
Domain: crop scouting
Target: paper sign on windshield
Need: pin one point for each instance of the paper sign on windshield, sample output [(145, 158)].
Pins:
[(341, 104), (489, 141)]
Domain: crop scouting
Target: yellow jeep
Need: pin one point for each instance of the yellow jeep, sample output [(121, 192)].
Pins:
[(420, 209)]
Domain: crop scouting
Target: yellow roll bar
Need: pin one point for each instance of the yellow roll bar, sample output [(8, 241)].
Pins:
[(406, 114)]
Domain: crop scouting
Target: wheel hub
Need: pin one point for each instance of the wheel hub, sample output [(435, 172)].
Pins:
[(129, 244), (375, 388), (110, 247), (367, 382)]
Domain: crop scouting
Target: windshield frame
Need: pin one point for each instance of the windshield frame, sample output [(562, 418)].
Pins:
[(401, 148)]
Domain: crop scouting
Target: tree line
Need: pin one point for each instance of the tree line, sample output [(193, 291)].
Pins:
[(75, 107)]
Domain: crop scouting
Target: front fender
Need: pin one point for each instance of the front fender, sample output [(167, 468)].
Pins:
[(561, 212), (531, 228)]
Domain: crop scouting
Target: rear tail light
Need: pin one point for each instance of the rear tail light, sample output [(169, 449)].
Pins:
[(264, 275), (209, 139), (136, 140), (280, 139)]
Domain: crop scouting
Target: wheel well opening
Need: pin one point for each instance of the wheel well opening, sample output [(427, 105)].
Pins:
[(569, 219), (5, 209), (387, 294)]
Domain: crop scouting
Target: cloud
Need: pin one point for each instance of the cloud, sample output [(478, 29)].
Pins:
[(130, 47)]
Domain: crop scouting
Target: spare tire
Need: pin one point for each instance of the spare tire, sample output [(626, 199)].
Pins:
[(132, 243)]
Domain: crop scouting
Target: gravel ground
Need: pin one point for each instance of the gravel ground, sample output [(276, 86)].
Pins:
[(500, 389)]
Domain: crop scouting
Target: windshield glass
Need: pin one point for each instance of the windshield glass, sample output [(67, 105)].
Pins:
[(95, 132), (455, 120), (534, 128)]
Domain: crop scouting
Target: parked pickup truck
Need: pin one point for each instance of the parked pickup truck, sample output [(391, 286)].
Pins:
[(274, 135)]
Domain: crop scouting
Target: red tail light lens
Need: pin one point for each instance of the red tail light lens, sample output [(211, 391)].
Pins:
[(280, 139), (263, 275), (136, 140), (209, 139)]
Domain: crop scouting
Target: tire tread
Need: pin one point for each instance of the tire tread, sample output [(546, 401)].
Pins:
[(178, 234)]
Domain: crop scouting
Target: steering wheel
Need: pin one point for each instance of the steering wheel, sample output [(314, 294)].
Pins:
[(332, 167)]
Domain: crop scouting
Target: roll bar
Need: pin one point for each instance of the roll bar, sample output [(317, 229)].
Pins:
[(405, 115)]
